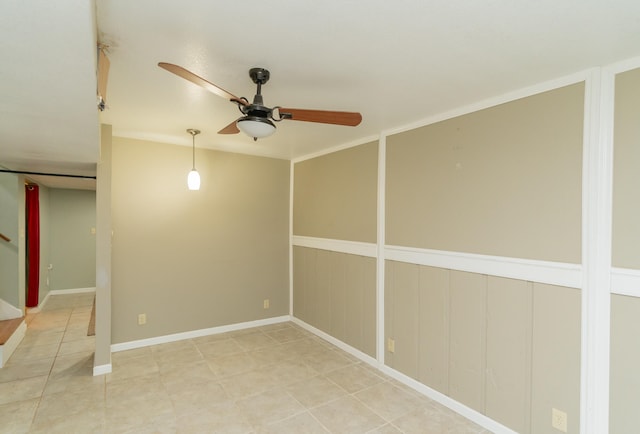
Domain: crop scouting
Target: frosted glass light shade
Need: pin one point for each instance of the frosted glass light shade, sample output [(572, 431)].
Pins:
[(256, 127), (193, 180)]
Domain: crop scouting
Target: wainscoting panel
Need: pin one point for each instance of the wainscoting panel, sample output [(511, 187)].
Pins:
[(336, 293), (509, 334), (625, 362), (468, 292), (507, 348), (555, 356), (433, 351)]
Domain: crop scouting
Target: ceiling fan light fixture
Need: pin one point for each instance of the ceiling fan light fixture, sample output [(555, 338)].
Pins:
[(256, 127)]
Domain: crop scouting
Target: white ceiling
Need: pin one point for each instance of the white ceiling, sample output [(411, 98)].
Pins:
[(395, 62)]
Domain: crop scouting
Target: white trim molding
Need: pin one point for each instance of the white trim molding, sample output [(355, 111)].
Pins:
[(554, 273), (12, 343), (102, 369), (341, 246), (196, 333), (597, 187), (625, 281), (71, 291), (337, 342), (449, 402)]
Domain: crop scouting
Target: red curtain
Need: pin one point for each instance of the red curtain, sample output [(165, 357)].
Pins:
[(33, 245)]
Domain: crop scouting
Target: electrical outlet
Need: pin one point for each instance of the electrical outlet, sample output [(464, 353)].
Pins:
[(391, 345), (559, 420), (265, 303), (142, 319)]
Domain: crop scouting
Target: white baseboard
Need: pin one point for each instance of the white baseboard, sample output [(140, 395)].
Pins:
[(196, 333), (58, 292), (71, 291), (101, 370), (439, 397), (337, 342), (11, 344)]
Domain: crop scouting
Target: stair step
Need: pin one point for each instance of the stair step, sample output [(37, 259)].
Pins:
[(7, 327)]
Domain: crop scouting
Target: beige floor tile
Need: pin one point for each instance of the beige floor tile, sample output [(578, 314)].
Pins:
[(170, 359), (269, 407), (315, 391), (127, 354), (73, 383), (86, 422), (226, 418), (22, 390), (303, 423), (33, 352), (354, 378), (26, 369), (223, 347), (197, 396), (386, 429), (248, 383), (42, 337), (16, 417), (435, 419), (307, 347), (287, 334), (388, 401), (85, 345), (75, 334), (271, 355), (347, 415), (171, 347), (139, 405), (140, 420), (291, 371), (254, 341), (226, 366), (131, 367), (134, 389), (84, 407), (327, 361), (178, 376)]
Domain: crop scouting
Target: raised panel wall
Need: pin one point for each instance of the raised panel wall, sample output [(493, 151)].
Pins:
[(509, 349), (336, 293)]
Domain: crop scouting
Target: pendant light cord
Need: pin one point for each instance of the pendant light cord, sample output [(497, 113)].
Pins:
[(193, 133)]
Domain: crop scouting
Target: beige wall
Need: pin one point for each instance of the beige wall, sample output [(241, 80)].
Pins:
[(625, 311), (196, 259), (507, 348), (502, 181), (335, 195), (72, 243), (336, 293), (626, 200), (625, 365), (9, 205)]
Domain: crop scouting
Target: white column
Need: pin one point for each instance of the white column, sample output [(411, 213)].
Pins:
[(597, 180)]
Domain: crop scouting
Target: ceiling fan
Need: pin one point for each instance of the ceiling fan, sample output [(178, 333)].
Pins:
[(257, 119)]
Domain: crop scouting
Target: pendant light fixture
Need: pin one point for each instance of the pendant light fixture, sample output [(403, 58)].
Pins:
[(193, 180)]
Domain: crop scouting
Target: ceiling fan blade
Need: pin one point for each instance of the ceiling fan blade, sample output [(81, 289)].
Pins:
[(350, 119), (232, 128), (196, 79)]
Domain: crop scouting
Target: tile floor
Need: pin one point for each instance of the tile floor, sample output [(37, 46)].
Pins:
[(273, 379)]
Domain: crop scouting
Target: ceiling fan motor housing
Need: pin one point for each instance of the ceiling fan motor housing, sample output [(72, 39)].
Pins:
[(259, 75)]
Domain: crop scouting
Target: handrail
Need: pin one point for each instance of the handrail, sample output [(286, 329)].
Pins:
[(4, 237)]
